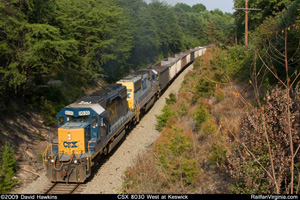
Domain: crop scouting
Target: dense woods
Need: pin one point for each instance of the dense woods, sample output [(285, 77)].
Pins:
[(51, 51)]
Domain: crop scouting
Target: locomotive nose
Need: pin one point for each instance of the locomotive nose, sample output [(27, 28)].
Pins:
[(71, 141)]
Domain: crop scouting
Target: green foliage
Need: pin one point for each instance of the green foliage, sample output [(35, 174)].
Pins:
[(201, 114), (177, 159), (183, 109), (202, 27), (167, 112), (204, 87), (163, 118), (208, 127), (219, 95), (179, 144), (218, 154), (269, 9), (198, 8), (171, 100), (7, 170), (237, 63), (269, 40), (78, 42)]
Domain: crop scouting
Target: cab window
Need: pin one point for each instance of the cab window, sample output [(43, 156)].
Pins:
[(78, 119)]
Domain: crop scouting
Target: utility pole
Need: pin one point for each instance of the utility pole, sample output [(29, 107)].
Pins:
[(246, 23), (246, 9)]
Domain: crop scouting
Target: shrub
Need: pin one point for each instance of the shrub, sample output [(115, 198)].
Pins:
[(7, 170), (175, 155), (219, 95), (218, 154), (266, 135), (163, 118), (167, 112), (183, 110), (171, 100), (204, 87), (201, 114), (208, 127), (146, 176)]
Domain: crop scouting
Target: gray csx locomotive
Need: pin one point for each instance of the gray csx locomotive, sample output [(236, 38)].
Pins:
[(93, 125)]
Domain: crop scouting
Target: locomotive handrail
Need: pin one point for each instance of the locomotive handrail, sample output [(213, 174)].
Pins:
[(137, 110), (45, 153), (89, 159)]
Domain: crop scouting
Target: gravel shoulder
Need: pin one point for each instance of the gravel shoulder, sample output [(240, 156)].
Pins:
[(109, 177)]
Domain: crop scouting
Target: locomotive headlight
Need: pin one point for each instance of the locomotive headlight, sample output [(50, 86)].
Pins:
[(52, 160), (75, 161)]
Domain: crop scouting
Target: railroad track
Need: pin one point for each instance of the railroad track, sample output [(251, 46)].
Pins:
[(63, 188)]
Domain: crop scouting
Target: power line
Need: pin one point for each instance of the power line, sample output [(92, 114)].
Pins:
[(246, 9)]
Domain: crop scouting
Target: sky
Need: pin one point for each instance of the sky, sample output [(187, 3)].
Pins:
[(223, 5)]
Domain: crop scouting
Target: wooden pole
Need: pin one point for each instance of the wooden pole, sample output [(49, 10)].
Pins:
[(246, 24), (246, 9)]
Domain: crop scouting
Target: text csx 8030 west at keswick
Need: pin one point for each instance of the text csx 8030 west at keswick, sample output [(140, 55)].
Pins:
[(93, 125)]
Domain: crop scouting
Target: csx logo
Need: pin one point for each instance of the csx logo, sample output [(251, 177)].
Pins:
[(70, 144)]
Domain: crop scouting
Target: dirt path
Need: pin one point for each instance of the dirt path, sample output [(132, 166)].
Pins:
[(108, 179)]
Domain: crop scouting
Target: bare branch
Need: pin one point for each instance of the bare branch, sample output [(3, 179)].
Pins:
[(280, 54), (271, 70), (296, 151), (295, 52), (272, 58), (294, 80)]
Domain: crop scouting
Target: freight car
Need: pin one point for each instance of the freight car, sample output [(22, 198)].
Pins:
[(93, 125)]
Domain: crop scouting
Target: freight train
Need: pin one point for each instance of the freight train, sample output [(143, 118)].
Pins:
[(92, 126)]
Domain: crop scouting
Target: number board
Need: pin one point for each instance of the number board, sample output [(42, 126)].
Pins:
[(69, 112), (84, 113)]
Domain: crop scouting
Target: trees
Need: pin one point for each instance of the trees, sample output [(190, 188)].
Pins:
[(100, 28), (79, 42), (269, 9), (266, 150), (7, 170)]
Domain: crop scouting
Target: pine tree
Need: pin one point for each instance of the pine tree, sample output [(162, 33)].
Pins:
[(7, 170)]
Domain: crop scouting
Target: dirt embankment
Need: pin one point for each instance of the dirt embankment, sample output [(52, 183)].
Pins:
[(28, 136)]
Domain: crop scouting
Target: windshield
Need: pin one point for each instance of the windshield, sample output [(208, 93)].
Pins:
[(78, 119)]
